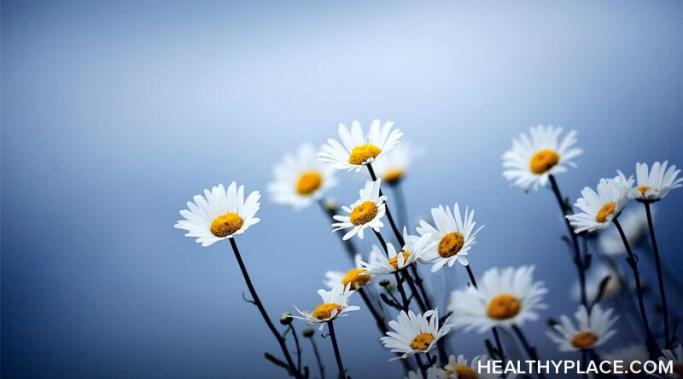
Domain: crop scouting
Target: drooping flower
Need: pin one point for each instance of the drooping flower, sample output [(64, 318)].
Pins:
[(654, 184), (534, 157), (593, 329), (459, 368), (594, 279), (394, 166), (634, 223), (335, 304), (300, 178), (453, 236), (356, 149), (505, 297), (598, 209), (356, 278), (366, 212), (414, 249), (219, 214), (415, 333)]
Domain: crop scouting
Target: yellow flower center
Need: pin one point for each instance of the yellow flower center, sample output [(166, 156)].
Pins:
[(363, 213), (361, 154), (584, 340), (543, 160), (451, 244), (309, 182), (461, 371), (605, 211), (227, 224), (357, 277), (394, 261), (503, 307), (324, 311), (393, 175), (643, 189), (422, 341)]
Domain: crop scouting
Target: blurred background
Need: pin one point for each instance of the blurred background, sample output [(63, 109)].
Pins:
[(114, 114)]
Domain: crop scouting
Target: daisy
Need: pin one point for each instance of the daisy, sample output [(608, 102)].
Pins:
[(219, 214), (413, 334), (335, 304), (599, 208), (356, 278), (366, 212), (300, 179), (593, 281), (356, 149), (459, 368), (634, 223), (504, 297), (453, 236), (593, 329), (433, 372), (531, 160), (392, 167), (655, 184), (674, 355), (415, 247)]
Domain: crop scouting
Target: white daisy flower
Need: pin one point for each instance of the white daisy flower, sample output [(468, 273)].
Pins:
[(628, 354), (301, 178), (505, 297), (393, 166), (634, 223), (219, 214), (593, 280), (335, 304), (413, 334), (459, 368), (593, 330), (656, 183), (531, 160), (415, 247), (366, 212), (599, 208), (356, 278), (453, 236), (675, 356), (356, 149), (432, 373)]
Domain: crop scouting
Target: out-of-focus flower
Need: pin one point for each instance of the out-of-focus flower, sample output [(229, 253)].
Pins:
[(366, 212), (592, 331), (415, 333), (675, 356), (656, 183), (335, 304), (453, 236), (593, 280), (356, 278), (634, 223), (599, 208), (219, 214), (459, 368), (505, 297), (356, 149), (394, 166), (300, 178), (628, 354), (534, 157)]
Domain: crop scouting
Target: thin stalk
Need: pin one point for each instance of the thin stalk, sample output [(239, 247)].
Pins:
[(632, 260), (402, 213), (257, 301), (578, 260), (394, 227), (335, 345), (496, 336), (405, 304), (349, 246), (414, 290), (319, 361), (379, 319), (298, 347), (530, 350), (660, 278)]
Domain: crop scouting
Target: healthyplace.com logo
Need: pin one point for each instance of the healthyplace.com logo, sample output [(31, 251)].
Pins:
[(550, 367)]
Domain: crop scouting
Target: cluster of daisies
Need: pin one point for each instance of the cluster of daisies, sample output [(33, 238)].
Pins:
[(501, 300)]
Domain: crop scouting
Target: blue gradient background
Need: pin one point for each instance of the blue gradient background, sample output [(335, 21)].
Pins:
[(114, 114)]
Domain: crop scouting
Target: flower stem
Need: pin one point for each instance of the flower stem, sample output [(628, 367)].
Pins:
[(256, 301), (349, 246), (402, 214), (530, 350), (379, 319), (632, 260), (578, 260), (319, 361), (660, 278), (335, 345), (298, 347), (405, 304), (394, 228)]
